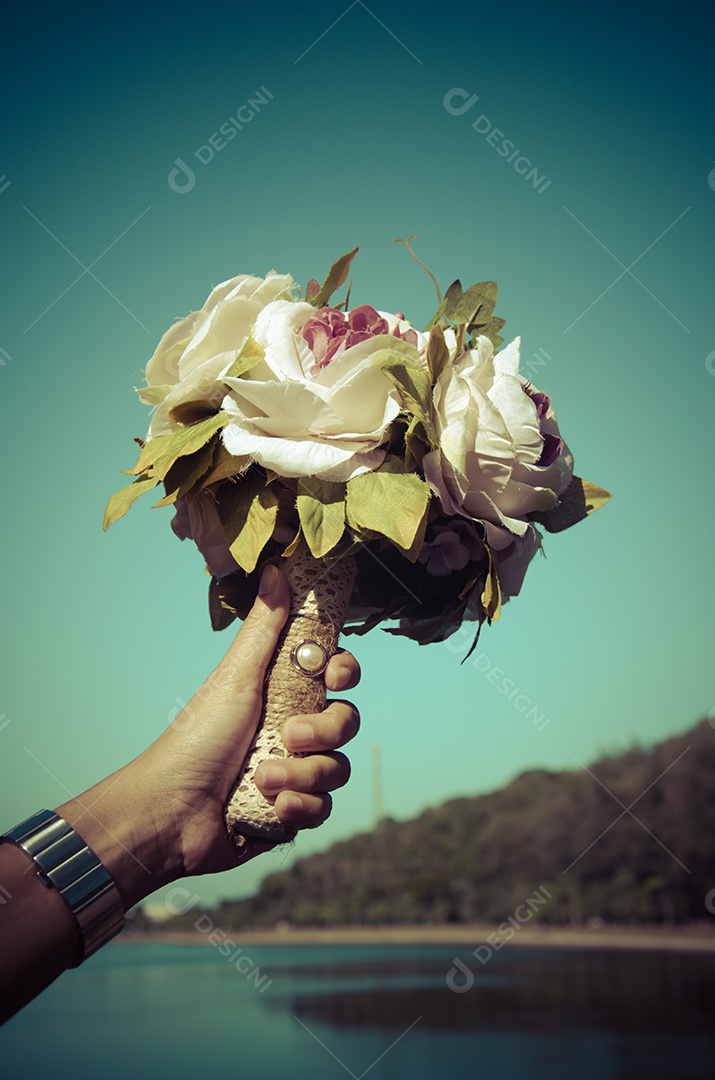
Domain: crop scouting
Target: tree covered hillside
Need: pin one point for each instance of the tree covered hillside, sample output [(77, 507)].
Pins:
[(479, 858)]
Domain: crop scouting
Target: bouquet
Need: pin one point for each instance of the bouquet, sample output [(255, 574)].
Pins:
[(394, 474)]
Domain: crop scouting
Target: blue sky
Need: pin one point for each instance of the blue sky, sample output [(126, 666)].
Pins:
[(606, 273)]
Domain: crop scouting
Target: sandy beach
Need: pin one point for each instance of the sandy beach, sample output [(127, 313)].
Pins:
[(699, 938)]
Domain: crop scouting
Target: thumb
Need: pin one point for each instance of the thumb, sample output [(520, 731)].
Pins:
[(254, 645)]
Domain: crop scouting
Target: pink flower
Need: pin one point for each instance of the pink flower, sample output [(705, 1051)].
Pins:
[(330, 332), (318, 403)]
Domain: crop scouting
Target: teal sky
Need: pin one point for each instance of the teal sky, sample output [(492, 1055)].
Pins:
[(606, 273)]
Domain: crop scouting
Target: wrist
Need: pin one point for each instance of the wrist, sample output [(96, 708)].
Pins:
[(64, 864), (116, 821)]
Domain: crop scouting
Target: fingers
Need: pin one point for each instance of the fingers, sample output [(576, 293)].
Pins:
[(328, 730), (303, 811), (300, 785), (316, 773), (255, 643), (342, 672)]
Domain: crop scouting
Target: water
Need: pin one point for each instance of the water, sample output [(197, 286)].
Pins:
[(326, 1012)]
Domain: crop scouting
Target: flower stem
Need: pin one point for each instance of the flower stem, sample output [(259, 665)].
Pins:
[(320, 597)]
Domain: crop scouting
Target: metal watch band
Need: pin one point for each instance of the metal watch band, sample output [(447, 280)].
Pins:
[(82, 881)]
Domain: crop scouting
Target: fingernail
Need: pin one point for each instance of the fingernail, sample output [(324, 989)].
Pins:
[(274, 776), (338, 679), (293, 804), (301, 735), (269, 580)]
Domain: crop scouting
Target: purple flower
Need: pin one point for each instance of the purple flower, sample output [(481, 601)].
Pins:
[(198, 520), (452, 547)]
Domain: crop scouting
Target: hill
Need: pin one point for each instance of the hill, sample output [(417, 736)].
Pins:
[(632, 839)]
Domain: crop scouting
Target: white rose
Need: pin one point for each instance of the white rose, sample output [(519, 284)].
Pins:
[(500, 455), (317, 411), (192, 353)]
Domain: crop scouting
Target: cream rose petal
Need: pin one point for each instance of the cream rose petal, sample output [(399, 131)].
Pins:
[(515, 501), (356, 355), (365, 401), (232, 287), (506, 361), (510, 399), (432, 466), (277, 330), (493, 446), (163, 367), (202, 385), (280, 408), (222, 334), (294, 457), (274, 287), (263, 290)]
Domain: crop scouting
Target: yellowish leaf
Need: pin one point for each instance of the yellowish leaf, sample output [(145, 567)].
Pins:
[(122, 500), (321, 510)]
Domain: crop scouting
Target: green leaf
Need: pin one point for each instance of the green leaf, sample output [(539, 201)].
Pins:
[(250, 356), (232, 596), (473, 646), (390, 501), (437, 353), (311, 290), (293, 546), (490, 328), (166, 500), (122, 500), (413, 383), (160, 453), (416, 444), (578, 501), (438, 315), (321, 510), (225, 466), (473, 309), (429, 631), (491, 595), (464, 307), (186, 471), (336, 276), (248, 511), (221, 614)]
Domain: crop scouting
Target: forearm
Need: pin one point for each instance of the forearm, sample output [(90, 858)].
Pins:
[(39, 936), (115, 819), (161, 817)]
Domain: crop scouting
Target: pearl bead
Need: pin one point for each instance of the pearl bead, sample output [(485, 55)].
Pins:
[(310, 657)]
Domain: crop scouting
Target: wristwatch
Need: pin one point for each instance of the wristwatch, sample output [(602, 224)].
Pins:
[(67, 864)]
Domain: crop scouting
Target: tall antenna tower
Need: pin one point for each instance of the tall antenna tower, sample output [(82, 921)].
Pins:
[(378, 806)]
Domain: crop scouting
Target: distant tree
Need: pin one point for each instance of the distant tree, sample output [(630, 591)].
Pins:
[(480, 858)]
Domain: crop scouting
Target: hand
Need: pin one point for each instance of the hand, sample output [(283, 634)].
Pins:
[(161, 817)]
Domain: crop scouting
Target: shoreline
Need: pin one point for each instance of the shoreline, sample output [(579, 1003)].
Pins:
[(683, 939)]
